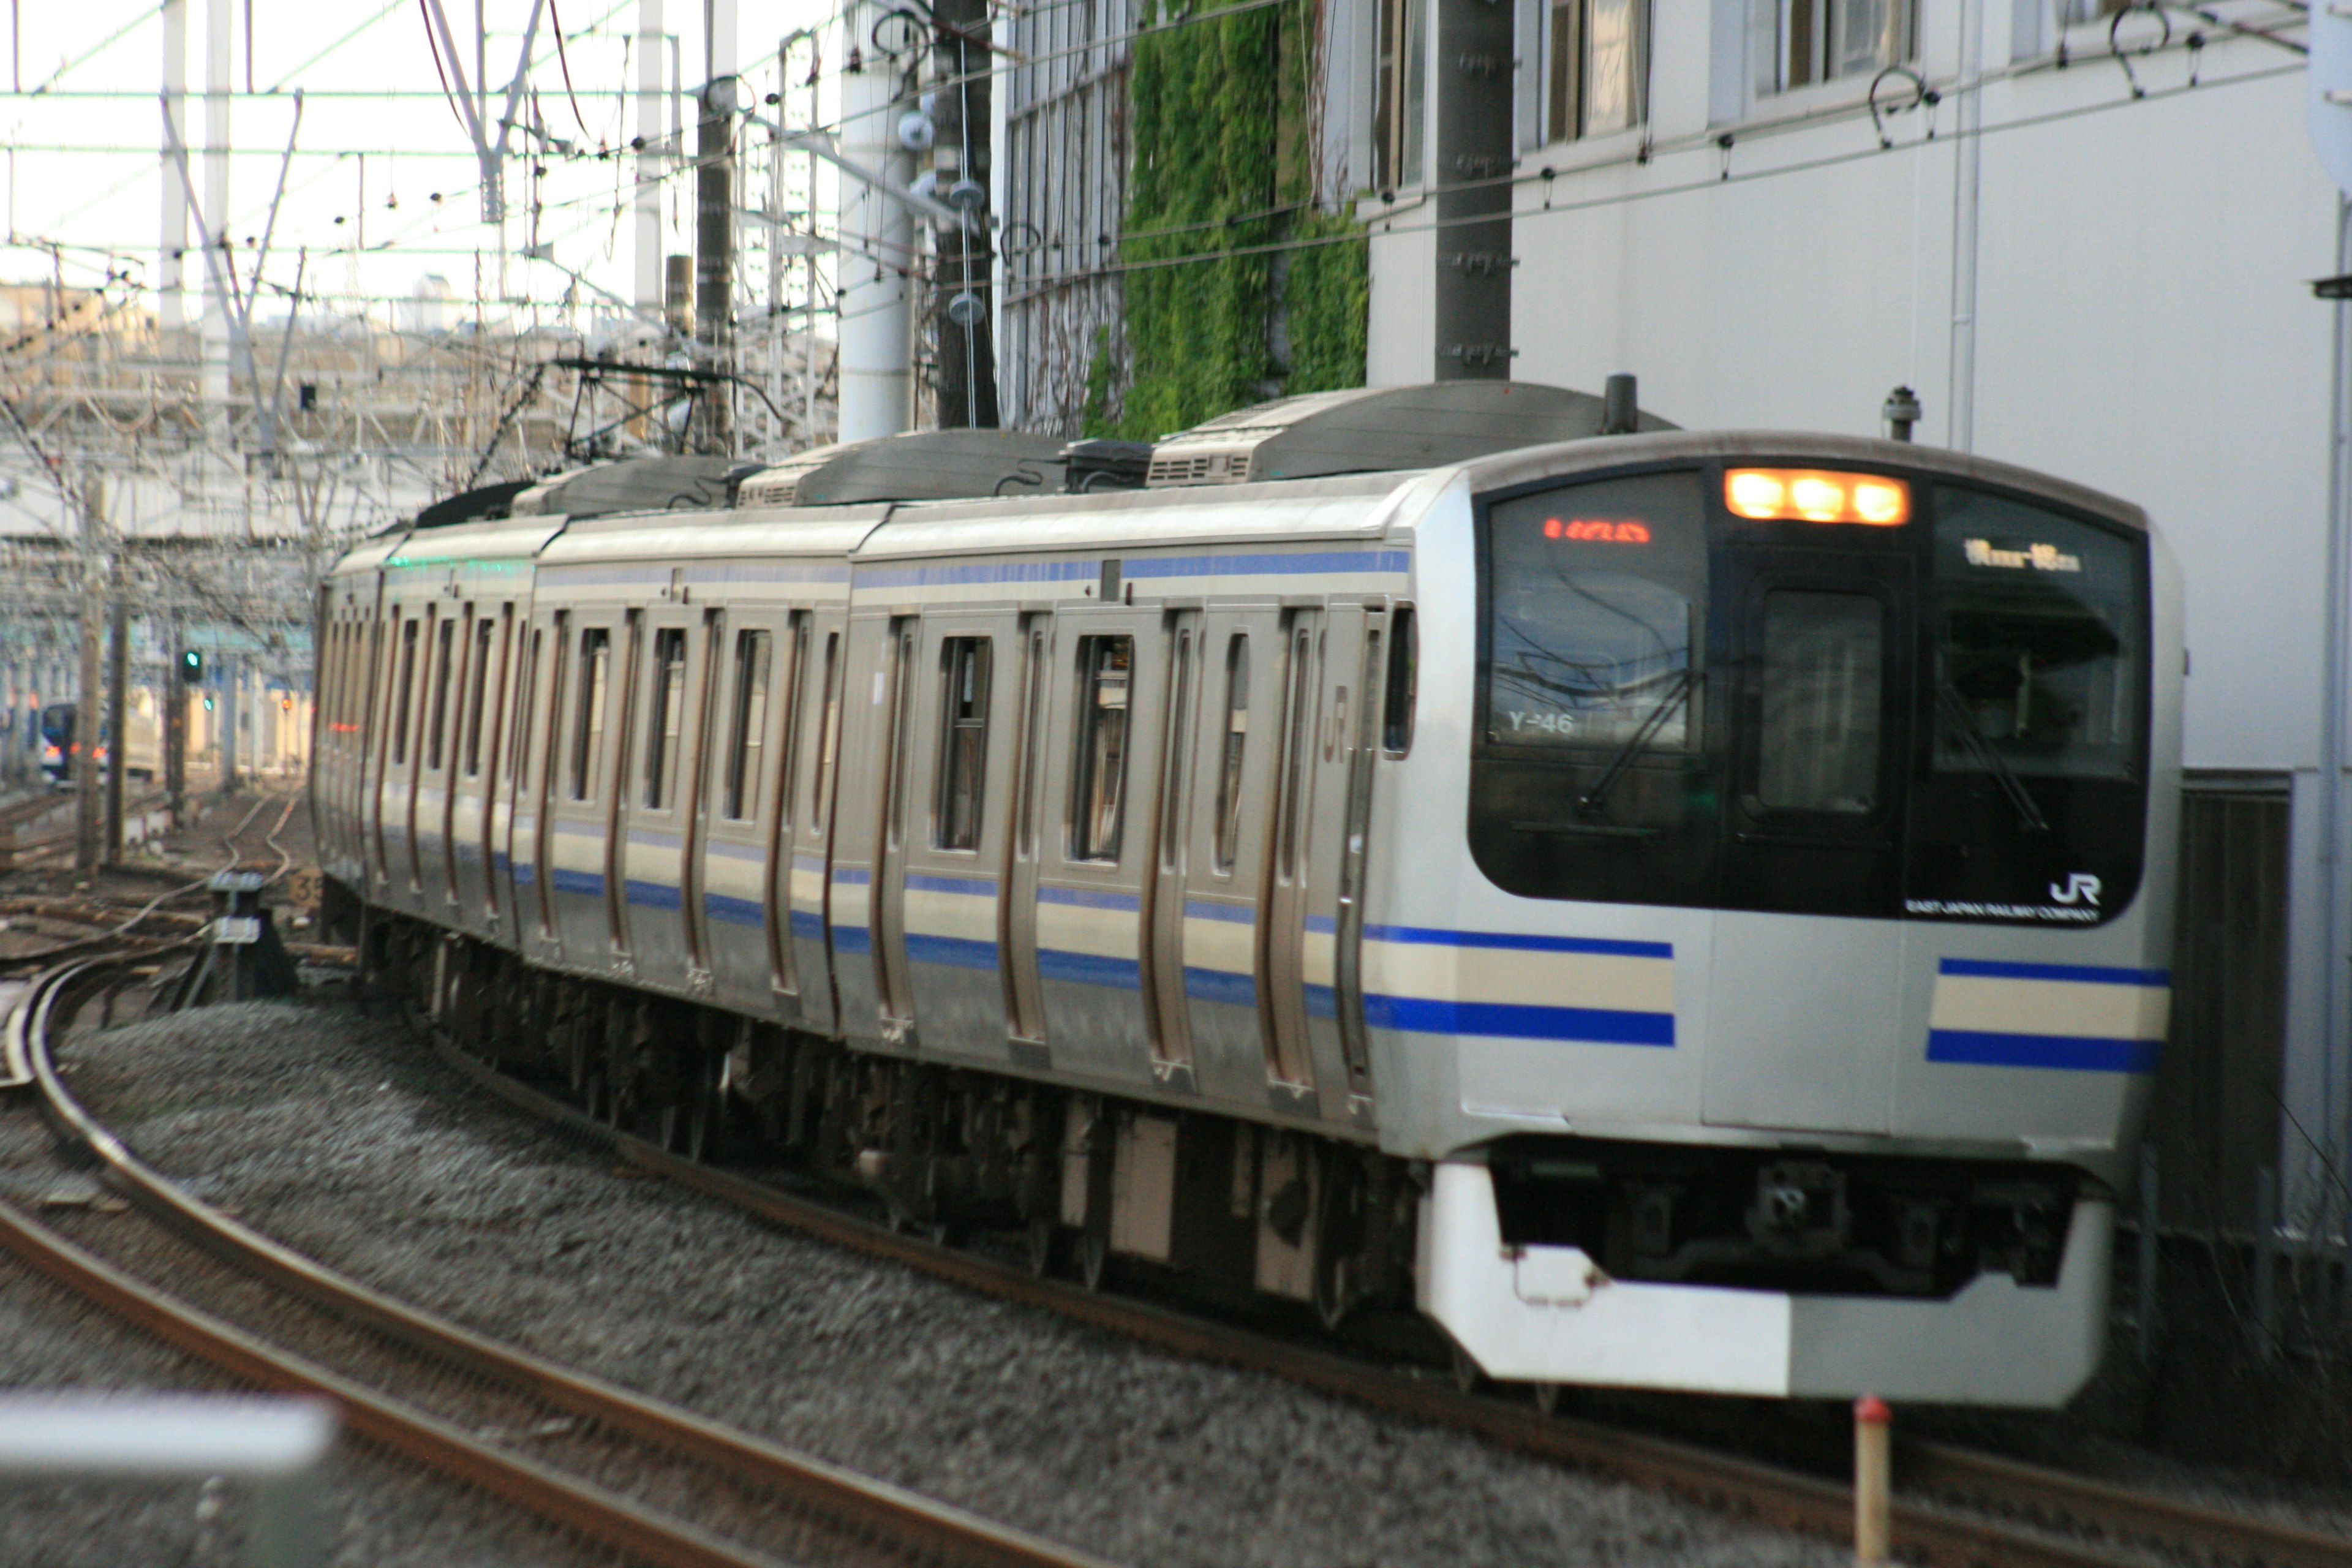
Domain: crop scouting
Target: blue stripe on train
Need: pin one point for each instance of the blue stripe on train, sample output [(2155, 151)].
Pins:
[(1507, 1020), (1522, 942), (653, 895), (734, 911), (1089, 969), (592, 883), (956, 952), (2081, 974), (2071, 1052)]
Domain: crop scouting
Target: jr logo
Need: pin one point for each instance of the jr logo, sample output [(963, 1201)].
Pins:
[(2081, 888)]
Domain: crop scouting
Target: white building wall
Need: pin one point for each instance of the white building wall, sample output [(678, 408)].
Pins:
[(2142, 320)]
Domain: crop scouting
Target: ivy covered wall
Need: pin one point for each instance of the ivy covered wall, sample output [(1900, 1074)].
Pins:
[(1219, 119)]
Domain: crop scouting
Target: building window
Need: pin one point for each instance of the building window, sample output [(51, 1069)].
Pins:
[(1400, 93), (1796, 43), (963, 742), (1599, 67), (1098, 801)]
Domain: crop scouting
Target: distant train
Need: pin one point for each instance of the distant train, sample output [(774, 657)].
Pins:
[(142, 756), (1680, 910)]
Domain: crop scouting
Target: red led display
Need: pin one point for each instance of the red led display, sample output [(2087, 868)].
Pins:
[(1599, 529)]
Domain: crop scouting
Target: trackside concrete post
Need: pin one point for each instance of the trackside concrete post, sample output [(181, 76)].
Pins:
[(1871, 1465)]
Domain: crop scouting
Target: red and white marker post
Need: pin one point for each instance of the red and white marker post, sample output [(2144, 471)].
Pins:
[(1872, 1424)]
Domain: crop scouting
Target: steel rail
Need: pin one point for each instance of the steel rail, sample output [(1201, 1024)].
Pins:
[(1925, 1530), (844, 1500)]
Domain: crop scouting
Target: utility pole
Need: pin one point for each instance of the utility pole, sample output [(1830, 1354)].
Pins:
[(226, 728), (714, 270), (218, 330), (172, 243), (967, 355), (118, 716), (877, 240), (87, 700), (174, 698), (649, 144)]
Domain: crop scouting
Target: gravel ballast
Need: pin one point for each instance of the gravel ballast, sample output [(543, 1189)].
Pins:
[(343, 1136)]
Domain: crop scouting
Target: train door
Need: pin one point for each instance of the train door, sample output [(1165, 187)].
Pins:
[(629, 680), (1237, 682), (1017, 928), (484, 747), (946, 886), (432, 697), (790, 678), (1168, 1012), (1358, 737), (692, 784), (530, 667), (459, 683), (743, 831), (806, 900), (1820, 674), (399, 666), (1283, 901), (895, 748)]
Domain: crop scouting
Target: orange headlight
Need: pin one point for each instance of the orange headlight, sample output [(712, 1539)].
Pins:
[(1817, 495)]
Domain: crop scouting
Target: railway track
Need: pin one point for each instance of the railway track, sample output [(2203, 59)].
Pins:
[(1955, 1506), (658, 1483)]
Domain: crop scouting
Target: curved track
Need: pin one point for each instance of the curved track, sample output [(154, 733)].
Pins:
[(767, 1503), (2039, 1518)]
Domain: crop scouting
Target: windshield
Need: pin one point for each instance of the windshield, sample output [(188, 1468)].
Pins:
[(2037, 641), (1597, 594)]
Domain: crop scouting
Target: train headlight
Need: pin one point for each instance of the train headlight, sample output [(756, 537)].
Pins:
[(1817, 495), (1752, 492)]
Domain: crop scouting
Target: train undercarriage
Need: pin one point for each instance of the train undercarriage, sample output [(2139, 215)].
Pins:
[(1087, 1182)]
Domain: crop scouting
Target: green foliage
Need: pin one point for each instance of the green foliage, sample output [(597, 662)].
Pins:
[(1328, 296), (1222, 163)]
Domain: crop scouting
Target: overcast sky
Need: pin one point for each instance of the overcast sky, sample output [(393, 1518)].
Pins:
[(84, 129)]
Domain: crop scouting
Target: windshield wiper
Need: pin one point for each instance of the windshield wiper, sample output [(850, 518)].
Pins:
[(1636, 743), (1981, 747)]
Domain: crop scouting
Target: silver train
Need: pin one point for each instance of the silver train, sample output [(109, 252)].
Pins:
[(1678, 911)]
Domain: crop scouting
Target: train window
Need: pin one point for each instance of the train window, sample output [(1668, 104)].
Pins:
[(1818, 745), (796, 648), (441, 662), (1596, 597), (588, 723), (1098, 798), (524, 690), (406, 682), (1229, 764), (828, 734), (669, 717), (748, 733), (963, 742), (479, 697), (1403, 678), (2037, 642)]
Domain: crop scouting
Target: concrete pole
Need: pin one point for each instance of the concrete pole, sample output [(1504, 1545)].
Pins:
[(649, 159), (88, 695), (714, 270), (172, 239), (877, 242), (218, 15), (226, 730), (118, 718), (174, 701)]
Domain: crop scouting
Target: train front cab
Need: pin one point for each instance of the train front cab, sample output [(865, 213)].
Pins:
[(1788, 1028)]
